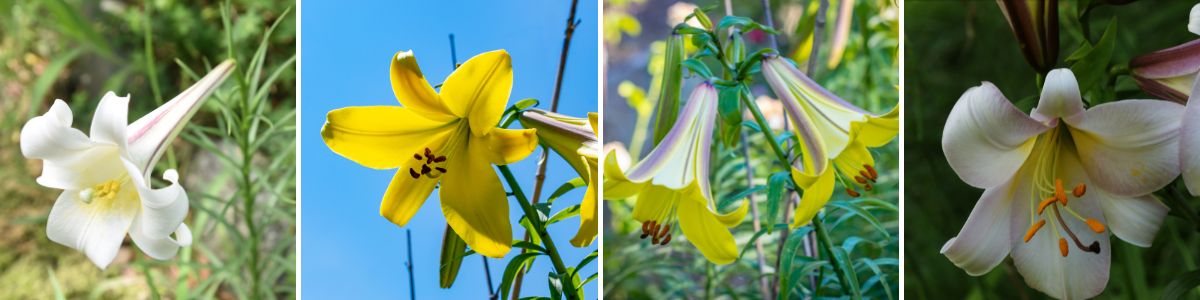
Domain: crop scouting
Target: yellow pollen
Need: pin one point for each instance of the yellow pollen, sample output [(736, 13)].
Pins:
[(1079, 190), (1033, 230), (1062, 246), (1095, 225), (103, 192)]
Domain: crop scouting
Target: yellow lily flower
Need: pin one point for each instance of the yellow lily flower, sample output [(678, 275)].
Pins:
[(448, 137), (833, 133), (672, 184), (574, 139)]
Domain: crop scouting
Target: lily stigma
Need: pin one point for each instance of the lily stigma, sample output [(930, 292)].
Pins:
[(105, 175), (448, 138), (1058, 181), (832, 134), (672, 184)]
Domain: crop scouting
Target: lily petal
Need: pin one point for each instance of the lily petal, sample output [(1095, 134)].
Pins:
[(475, 205), (149, 136), (163, 247), (1060, 97), (381, 137), (816, 193), (1189, 142), (986, 139), (1081, 274), (983, 241), (616, 185), (112, 115), (1194, 19), (1130, 147), (677, 151), (163, 210), (853, 158), (51, 137), (877, 131), (405, 195), (479, 89), (654, 202), (506, 146), (588, 217), (414, 92), (97, 229), (706, 232), (1133, 219)]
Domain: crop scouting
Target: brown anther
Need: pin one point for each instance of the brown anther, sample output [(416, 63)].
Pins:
[(860, 179), (1095, 225), (665, 231), (414, 173), (427, 152), (868, 187), (1045, 203), (1062, 246), (866, 175), (439, 159), (1079, 190), (852, 193), (417, 156), (666, 240), (874, 175), (645, 228), (425, 169), (1034, 229)]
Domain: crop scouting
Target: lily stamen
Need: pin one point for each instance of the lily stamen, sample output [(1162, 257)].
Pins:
[(1094, 247), (1034, 229), (1079, 190)]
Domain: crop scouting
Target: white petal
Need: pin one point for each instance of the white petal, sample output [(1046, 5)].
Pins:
[(1129, 147), (983, 241), (677, 151), (1189, 140), (50, 136), (163, 210), (96, 229), (112, 115), (986, 139), (1060, 97), (82, 169), (1194, 20), (1133, 219), (1080, 274), (149, 135), (159, 247)]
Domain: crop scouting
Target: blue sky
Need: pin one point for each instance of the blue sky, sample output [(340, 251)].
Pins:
[(349, 251)]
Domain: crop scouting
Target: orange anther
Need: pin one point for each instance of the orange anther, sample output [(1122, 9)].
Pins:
[(666, 240), (1062, 246), (874, 175), (1058, 191), (860, 179), (1095, 225), (1079, 190), (1034, 229), (866, 175), (852, 193), (1042, 206)]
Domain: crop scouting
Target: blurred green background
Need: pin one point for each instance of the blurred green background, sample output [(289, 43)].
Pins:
[(867, 228), (241, 183), (951, 46)]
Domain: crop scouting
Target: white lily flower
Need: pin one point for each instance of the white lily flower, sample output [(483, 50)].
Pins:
[(1189, 140), (1114, 155), (105, 176)]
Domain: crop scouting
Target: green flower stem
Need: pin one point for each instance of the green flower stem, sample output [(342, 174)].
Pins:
[(547, 242), (848, 284)]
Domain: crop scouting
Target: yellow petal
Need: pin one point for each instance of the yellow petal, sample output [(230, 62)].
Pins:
[(381, 137), (706, 232), (588, 223), (475, 203), (877, 131), (593, 119), (506, 146), (852, 159), (479, 89), (616, 185), (654, 203), (413, 91), (814, 197), (405, 194), (735, 217)]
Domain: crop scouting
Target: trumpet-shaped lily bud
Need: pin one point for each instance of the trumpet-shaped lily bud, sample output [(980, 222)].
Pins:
[(105, 175), (1168, 73), (574, 139), (1035, 25)]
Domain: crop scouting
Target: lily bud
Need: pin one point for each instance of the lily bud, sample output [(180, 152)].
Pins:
[(667, 109), (1168, 73), (1035, 25), (574, 139)]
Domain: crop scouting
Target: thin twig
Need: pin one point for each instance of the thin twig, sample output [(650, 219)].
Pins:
[(540, 176), (412, 287)]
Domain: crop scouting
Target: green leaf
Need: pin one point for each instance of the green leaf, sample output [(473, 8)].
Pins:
[(570, 185), (1182, 285), (48, 77), (556, 285), (729, 107), (586, 260), (790, 250), (851, 208), (510, 272), (730, 21), (528, 246), (698, 68), (453, 251), (1092, 69), (564, 214), (777, 189)]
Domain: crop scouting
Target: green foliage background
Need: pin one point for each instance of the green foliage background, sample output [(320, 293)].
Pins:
[(954, 45), (236, 158), (865, 229)]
